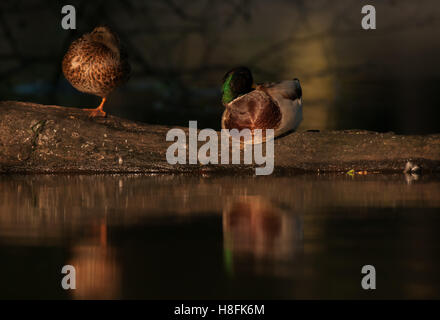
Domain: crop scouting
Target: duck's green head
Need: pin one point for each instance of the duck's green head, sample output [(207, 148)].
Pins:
[(236, 82)]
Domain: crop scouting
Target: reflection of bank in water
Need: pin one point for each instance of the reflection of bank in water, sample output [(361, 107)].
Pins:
[(263, 232)]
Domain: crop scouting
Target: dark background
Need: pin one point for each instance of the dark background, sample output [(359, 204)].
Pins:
[(383, 79)]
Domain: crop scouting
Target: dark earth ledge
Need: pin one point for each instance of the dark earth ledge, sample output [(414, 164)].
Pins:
[(51, 139)]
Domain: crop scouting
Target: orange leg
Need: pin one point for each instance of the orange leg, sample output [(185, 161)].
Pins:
[(98, 112), (103, 233)]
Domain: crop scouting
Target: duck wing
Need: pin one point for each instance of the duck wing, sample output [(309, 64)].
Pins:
[(288, 89), (288, 96)]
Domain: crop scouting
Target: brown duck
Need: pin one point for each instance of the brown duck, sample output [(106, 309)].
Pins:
[(97, 64)]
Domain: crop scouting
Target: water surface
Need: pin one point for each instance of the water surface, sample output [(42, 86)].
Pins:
[(137, 236)]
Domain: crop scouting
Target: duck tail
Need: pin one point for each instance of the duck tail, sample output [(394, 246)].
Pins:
[(298, 89)]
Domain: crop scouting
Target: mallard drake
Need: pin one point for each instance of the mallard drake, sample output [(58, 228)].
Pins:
[(97, 64), (275, 106)]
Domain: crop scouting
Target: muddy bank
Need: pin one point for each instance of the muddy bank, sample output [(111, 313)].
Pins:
[(52, 139)]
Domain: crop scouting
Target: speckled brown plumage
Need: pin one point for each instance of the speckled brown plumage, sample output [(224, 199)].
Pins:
[(97, 64)]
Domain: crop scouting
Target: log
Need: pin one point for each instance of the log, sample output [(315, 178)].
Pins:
[(38, 138)]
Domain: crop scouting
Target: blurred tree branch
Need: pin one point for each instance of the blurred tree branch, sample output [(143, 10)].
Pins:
[(169, 25)]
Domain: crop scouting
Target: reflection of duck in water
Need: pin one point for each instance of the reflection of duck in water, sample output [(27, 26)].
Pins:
[(257, 228), (97, 272)]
